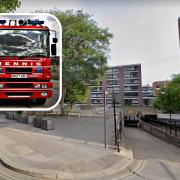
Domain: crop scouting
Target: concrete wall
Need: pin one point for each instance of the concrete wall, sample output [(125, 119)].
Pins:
[(160, 133), (144, 110)]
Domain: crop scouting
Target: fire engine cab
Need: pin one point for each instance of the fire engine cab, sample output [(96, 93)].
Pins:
[(25, 64)]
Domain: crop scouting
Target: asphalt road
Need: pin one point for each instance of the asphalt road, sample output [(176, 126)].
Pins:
[(161, 159), (86, 129)]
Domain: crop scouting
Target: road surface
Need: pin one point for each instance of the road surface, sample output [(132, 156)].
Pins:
[(85, 129), (161, 159)]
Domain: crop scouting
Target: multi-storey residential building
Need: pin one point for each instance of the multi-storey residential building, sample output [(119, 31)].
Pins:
[(158, 85), (125, 80), (147, 94)]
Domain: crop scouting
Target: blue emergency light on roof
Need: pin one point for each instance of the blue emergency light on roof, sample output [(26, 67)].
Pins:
[(35, 22), (2, 21)]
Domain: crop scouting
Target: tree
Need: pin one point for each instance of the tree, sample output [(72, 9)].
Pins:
[(85, 53), (9, 5), (76, 92), (168, 99)]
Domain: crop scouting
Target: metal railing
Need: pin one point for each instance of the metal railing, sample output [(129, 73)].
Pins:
[(170, 126)]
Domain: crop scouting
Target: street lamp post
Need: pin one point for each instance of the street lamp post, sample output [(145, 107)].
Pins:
[(105, 104), (114, 107)]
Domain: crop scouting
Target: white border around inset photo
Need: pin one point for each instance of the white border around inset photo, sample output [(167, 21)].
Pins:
[(60, 63)]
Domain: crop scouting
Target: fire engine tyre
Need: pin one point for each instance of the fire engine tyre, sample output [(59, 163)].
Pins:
[(41, 101)]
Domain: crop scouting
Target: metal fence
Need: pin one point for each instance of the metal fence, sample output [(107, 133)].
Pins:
[(171, 126)]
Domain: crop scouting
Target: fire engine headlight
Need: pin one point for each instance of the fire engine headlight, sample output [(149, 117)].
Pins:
[(44, 86), (37, 86), (39, 70), (44, 94), (1, 85)]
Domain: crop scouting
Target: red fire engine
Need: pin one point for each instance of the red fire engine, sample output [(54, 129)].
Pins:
[(25, 64)]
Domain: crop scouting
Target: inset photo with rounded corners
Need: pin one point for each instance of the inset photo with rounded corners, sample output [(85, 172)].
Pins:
[(30, 61)]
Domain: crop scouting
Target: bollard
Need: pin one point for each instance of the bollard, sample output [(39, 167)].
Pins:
[(19, 118), (9, 115), (30, 119), (25, 119), (37, 122), (47, 124)]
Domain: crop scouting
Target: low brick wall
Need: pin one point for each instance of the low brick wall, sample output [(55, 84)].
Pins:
[(160, 133)]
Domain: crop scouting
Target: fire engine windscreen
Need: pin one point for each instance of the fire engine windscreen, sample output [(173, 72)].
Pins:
[(24, 42)]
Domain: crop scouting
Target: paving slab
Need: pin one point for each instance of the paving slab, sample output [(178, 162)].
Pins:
[(54, 157)]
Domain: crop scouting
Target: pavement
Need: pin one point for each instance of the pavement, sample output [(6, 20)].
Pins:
[(56, 157), (75, 150)]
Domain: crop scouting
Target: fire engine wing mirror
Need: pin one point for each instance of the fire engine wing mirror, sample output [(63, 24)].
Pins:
[(55, 40), (53, 49)]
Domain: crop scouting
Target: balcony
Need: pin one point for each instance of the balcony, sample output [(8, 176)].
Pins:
[(131, 68), (131, 94)]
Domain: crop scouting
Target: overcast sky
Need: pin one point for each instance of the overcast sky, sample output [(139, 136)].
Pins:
[(144, 31)]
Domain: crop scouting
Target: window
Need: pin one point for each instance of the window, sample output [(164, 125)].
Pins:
[(127, 88), (116, 88), (96, 89), (109, 76), (115, 76), (131, 68), (96, 95), (109, 95), (131, 101), (131, 94), (23, 42), (109, 71), (110, 89), (112, 76), (96, 101), (147, 94), (109, 101), (127, 101), (131, 88), (131, 81), (135, 101), (112, 82), (115, 69), (130, 74)]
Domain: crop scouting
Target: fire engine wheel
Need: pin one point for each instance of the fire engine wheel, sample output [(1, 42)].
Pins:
[(41, 101)]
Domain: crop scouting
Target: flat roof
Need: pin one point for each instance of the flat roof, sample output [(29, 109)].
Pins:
[(115, 66), (165, 81)]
